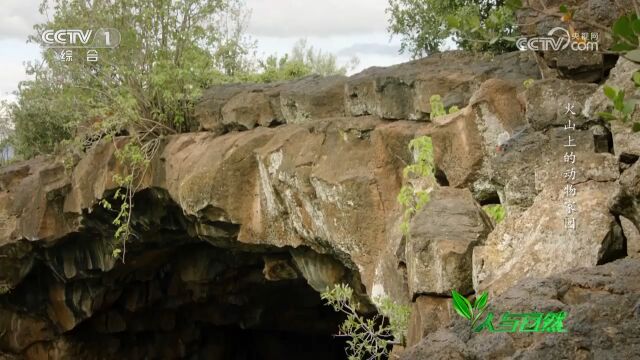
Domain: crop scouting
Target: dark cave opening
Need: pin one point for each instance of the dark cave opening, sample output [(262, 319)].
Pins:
[(177, 296)]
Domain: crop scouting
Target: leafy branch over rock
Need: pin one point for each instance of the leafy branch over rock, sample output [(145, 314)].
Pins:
[(370, 338), (623, 107)]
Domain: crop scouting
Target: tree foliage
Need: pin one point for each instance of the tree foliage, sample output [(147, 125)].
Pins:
[(303, 60), (480, 25), (369, 338)]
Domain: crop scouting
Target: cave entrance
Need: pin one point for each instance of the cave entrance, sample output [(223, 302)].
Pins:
[(176, 296), (202, 302)]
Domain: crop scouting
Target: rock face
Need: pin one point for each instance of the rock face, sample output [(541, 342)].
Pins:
[(397, 92), (534, 243), (603, 313), (292, 188)]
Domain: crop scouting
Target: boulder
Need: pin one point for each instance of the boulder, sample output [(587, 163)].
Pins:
[(403, 91), (442, 237), (312, 98), (632, 235), (602, 305), (550, 102), (529, 244), (428, 314), (466, 141), (247, 110), (626, 204), (208, 111)]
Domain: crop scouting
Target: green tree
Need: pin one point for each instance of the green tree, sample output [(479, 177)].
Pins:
[(145, 88), (319, 62), (302, 60), (170, 51), (425, 25)]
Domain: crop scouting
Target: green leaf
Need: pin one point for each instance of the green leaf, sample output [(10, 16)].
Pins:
[(474, 21), (607, 116), (636, 78), (621, 47), (481, 301), (513, 4), (633, 55), (461, 305), (622, 27), (635, 25), (453, 22), (493, 19), (563, 9), (618, 101), (628, 107), (610, 92)]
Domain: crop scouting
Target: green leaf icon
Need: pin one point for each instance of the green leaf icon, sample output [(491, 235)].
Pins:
[(461, 305), (481, 301)]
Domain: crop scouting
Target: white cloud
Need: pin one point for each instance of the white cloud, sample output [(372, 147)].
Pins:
[(14, 54), (306, 18), (370, 48), (18, 17)]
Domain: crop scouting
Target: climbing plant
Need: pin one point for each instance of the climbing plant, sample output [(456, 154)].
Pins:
[(419, 176), (135, 158), (437, 107), (419, 180), (369, 338)]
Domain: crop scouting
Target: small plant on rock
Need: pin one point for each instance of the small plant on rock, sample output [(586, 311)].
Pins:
[(495, 211), (135, 158), (438, 109), (622, 107), (419, 178), (370, 338)]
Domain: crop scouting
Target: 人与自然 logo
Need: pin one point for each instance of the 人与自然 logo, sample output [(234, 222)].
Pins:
[(537, 322), (558, 39)]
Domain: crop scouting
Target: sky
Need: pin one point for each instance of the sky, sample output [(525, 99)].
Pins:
[(346, 28)]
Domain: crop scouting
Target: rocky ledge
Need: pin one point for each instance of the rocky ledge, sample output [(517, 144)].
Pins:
[(285, 189)]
